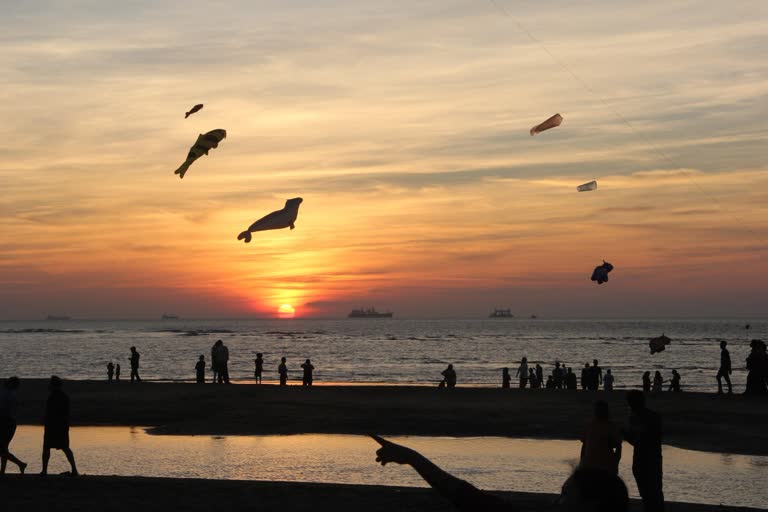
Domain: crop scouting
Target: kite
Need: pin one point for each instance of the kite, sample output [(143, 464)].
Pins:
[(194, 109), (552, 122), (600, 274), (659, 344), (280, 219), (205, 142), (592, 185)]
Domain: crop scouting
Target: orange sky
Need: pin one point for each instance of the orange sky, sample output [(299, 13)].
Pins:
[(405, 129)]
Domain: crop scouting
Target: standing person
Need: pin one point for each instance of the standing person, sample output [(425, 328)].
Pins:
[(585, 377), (117, 372), (557, 376), (56, 433), (645, 435), (601, 441), (308, 369), (608, 380), (540, 374), (449, 376), (9, 404), (674, 384), (200, 370), (223, 354), (647, 381), (110, 371), (522, 371), (505, 378), (757, 366), (725, 369), (535, 384), (215, 361), (598, 375), (258, 369), (658, 381), (135, 365), (282, 370), (570, 380)]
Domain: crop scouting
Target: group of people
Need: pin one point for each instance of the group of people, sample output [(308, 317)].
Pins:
[(657, 384), (56, 424)]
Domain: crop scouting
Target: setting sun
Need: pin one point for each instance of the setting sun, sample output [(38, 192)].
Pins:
[(286, 311)]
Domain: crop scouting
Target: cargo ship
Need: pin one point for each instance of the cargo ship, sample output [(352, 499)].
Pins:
[(58, 318), (501, 313), (368, 313), (166, 316)]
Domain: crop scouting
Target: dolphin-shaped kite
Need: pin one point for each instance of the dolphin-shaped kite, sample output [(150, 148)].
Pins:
[(659, 344), (205, 142), (600, 274), (280, 219), (194, 109), (552, 122)]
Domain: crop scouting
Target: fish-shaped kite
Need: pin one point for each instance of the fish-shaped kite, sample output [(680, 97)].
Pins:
[(194, 109), (205, 142), (280, 219), (552, 122), (659, 344), (592, 185), (600, 274)]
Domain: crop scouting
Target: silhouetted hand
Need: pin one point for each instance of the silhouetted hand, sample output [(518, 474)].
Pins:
[(391, 452)]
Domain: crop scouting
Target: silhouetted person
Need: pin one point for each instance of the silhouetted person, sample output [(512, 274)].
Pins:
[(449, 376), (200, 370), (585, 377), (282, 371), (647, 381), (258, 367), (586, 490), (674, 384), (117, 372), (608, 380), (522, 372), (658, 381), (725, 368), (110, 371), (570, 379), (535, 383), (601, 441), (540, 374), (558, 376), (644, 434), (757, 367), (597, 375), (306, 380), (505, 378), (9, 405), (56, 433), (223, 363), (215, 361), (135, 365), (550, 382)]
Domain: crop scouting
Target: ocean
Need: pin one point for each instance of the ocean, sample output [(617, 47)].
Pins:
[(392, 351)]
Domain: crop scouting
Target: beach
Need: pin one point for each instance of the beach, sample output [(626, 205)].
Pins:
[(698, 421), (118, 494)]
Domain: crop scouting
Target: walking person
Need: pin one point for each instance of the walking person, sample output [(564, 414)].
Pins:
[(505, 378), (117, 372), (308, 369), (282, 371), (200, 370), (645, 435), (674, 384), (449, 376), (56, 432), (258, 367), (9, 405), (725, 369), (135, 365), (522, 371)]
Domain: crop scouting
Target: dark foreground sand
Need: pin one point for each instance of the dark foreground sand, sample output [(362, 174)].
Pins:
[(700, 421), (31, 493)]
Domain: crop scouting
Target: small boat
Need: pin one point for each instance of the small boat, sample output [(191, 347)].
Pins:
[(368, 313), (501, 313), (56, 318), (169, 317)]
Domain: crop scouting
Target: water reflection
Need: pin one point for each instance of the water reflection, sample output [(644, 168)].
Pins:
[(491, 463)]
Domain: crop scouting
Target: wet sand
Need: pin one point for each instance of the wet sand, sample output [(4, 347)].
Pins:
[(32, 493), (699, 421)]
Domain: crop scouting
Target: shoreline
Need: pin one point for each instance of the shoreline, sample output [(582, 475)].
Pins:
[(697, 421), (118, 494)]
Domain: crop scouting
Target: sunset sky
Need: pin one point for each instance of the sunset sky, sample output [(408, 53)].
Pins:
[(404, 127)]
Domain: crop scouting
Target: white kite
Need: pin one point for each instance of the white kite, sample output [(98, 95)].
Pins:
[(592, 185), (552, 122), (279, 219)]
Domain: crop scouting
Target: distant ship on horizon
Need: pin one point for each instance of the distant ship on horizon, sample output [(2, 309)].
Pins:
[(57, 317), (368, 313), (169, 317), (501, 313)]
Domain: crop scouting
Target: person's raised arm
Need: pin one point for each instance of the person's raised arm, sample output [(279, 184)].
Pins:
[(463, 495)]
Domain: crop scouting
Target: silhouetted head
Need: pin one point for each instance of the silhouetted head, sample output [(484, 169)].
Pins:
[(308, 361), (505, 371), (657, 375), (202, 357), (450, 367), (594, 362), (647, 375), (586, 365), (525, 359), (282, 359), (723, 343), (557, 365), (636, 400), (258, 355), (12, 383), (569, 370), (602, 412), (55, 383), (608, 371), (674, 372), (757, 345), (594, 490), (133, 349), (293, 203)]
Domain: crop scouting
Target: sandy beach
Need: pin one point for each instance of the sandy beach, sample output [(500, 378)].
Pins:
[(700, 421), (31, 494)]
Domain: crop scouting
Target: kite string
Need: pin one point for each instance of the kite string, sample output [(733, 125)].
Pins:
[(618, 114)]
